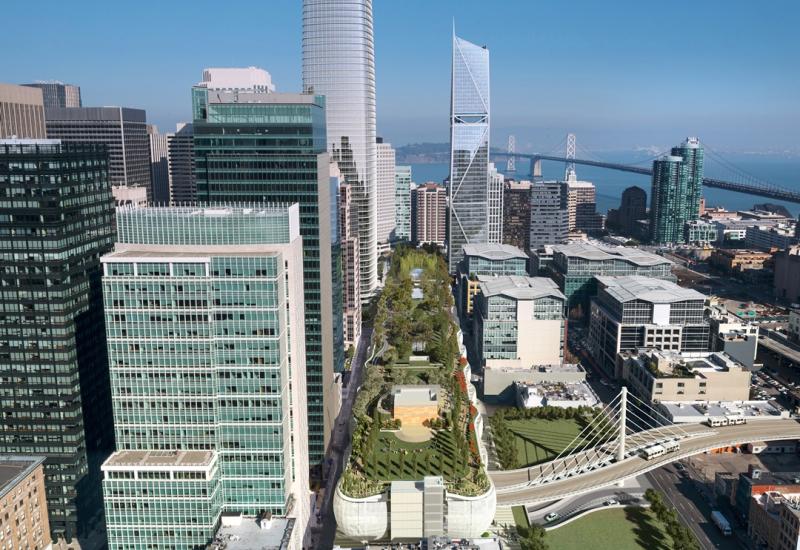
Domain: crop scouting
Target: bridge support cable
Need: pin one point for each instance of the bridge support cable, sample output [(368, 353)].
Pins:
[(667, 424), (623, 424), (594, 447)]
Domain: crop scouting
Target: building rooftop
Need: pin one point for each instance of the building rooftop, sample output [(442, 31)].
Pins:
[(15, 468), (415, 396), (698, 363), (160, 458), (248, 533), (497, 252), (519, 287), (699, 411), (593, 252), (656, 291)]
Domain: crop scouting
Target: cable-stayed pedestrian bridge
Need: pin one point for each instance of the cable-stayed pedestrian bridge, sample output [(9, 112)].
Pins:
[(623, 442)]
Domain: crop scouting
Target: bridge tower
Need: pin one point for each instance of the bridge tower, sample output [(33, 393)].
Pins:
[(536, 168), (623, 420), (570, 154), (511, 163)]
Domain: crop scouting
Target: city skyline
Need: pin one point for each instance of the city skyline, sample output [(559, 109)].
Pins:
[(602, 85)]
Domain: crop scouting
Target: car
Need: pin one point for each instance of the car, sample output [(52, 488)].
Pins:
[(610, 502), (552, 516), (680, 467)]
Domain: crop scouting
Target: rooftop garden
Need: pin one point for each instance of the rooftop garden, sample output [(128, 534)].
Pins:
[(405, 327)]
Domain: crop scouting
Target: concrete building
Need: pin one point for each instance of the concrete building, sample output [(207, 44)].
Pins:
[(787, 275), (501, 385), (469, 149), (343, 70), (429, 214), (549, 214), (780, 236), (582, 206), (23, 507), (633, 207), (159, 165), (402, 204), (124, 195), (415, 404), (58, 94), (56, 401), (635, 312), (575, 266), (21, 112), (495, 204), (733, 336), (252, 79), (210, 297), (700, 233), (740, 261), (351, 279), (793, 328), (483, 261), (517, 214), (385, 189), (284, 162), (756, 482), (122, 130), (655, 375), (774, 520), (558, 394), (182, 182)]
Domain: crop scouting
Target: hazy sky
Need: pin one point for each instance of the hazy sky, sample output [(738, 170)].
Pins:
[(619, 74)]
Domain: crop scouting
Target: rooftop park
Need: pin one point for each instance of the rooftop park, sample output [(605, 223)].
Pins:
[(412, 415)]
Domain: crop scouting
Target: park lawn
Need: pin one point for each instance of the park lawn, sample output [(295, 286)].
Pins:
[(540, 440), (629, 528), (413, 461)]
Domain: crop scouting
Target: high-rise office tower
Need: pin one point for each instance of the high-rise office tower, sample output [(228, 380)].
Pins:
[(204, 309), (582, 205), (517, 214), (429, 205), (182, 184), (692, 153), (385, 187), (668, 200), (55, 223), (495, 204), (351, 278), (632, 207), (277, 144), (159, 164), (339, 63), (21, 112), (469, 149), (402, 203), (58, 94), (549, 213), (122, 130)]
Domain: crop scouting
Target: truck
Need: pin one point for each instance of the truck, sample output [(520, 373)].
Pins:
[(721, 522)]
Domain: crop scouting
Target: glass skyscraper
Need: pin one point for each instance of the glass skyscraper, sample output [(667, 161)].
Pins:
[(204, 306), (339, 63), (469, 149), (692, 153), (677, 187), (402, 203), (55, 223), (256, 146)]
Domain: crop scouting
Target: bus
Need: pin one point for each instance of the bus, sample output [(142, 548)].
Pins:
[(654, 451)]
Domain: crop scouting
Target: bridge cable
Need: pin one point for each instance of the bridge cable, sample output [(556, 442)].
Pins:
[(668, 424)]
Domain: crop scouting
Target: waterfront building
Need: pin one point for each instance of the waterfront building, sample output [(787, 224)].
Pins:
[(385, 188), (122, 130), (344, 72), (24, 522), (429, 214), (208, 381), (549, 214), (574, 267), (182, 183), (21, 112), (582, 206), (55, 223), (517, 214), (635, 312), (351, 278), (402, 203), (159, 164), (288, 164), (495, 203), (58, 94), (469, 149), (483, 261)]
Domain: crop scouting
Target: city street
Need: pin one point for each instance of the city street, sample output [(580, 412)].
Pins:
[(323, 531)]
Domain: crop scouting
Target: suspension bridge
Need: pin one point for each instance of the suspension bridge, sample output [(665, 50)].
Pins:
[(748, 184), (626, 439)]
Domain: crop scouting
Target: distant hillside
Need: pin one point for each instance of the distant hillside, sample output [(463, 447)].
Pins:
[(423, 153)]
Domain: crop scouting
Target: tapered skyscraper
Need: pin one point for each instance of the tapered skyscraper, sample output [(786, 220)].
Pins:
[(469, 148), (339, 63)]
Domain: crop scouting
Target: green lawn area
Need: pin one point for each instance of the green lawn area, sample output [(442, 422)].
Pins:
[(629, 528), (395, 459), (541, 440)]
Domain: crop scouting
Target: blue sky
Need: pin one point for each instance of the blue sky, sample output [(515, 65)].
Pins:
[(620, 74)]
